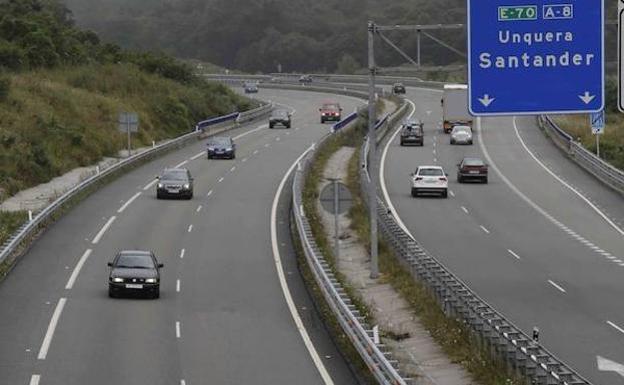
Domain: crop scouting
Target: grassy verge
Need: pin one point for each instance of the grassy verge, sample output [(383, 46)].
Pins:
[(455, 340), (10, 222), (56, 120), (611, 142)]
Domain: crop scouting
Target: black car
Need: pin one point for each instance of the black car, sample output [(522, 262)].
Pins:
[(398, 89), (280, 117), (412, 132), (175, 182), (136, 272), (472, 169), (251, 88), (221, 147)]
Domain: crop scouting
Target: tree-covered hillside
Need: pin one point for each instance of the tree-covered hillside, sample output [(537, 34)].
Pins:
[(257, 35)]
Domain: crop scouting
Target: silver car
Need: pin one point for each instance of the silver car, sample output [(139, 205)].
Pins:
[(461, 135)]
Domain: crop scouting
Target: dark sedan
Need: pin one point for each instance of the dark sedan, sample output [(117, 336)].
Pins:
[(398, 89), (134, 272), (175, 182), (281, 117), (412, 132), (472, 169), (221, 147)]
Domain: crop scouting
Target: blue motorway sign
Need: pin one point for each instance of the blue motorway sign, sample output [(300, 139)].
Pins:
[(529, 57)]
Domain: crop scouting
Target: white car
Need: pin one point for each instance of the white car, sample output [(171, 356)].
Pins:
[(461, 135), (430, 180)]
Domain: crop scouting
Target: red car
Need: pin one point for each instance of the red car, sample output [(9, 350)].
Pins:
[(330, 111), (472, 169)]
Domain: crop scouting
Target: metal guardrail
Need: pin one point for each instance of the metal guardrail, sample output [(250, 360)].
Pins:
[(32, 227), (602, 170), (352, 323), (345, 122), (494, 333)]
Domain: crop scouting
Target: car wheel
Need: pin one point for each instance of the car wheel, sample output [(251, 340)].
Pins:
[(470, 143), (460, 179), (485, 180), (233, 156), (288, 126), (156, 294), (414, 192), (402, 144), (445, 194), (270, 126), (209, 157), (158, 195), (111, 293)]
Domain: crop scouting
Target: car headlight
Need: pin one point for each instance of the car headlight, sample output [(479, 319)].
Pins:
[(160, 185), (151, 280), (187, 186), (229, 149), (211, 149), (116, 279)]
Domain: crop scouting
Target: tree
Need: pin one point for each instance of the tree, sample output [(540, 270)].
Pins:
[(347, 65)]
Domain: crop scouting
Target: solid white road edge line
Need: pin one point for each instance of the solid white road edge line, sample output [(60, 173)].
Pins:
[(47, 340), (74, 275), (382, 175), (103, 230), (34, 380), (561, 289), (178, 331), (125, 206), (585, 199), (282, 278), (615, 327)]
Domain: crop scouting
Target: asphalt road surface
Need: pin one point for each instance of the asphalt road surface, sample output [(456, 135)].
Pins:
[(542, 242), (222, 317)]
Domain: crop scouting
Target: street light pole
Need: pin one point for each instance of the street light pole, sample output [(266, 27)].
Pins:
[(372, 138)]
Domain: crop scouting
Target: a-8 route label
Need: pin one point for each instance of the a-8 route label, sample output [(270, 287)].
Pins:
[(535, 56)]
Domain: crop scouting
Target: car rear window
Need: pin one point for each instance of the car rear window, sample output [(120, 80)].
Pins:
[(219, 142), (280, 113), (473, 162), (430, 172), (135, 261), (330, 107)]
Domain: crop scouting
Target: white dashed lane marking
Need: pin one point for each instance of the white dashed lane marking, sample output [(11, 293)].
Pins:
[(485, 230), (558, 287), (616, 327), (47, 340), (182, 252), (514, 254), (99, 235), (125, 206)]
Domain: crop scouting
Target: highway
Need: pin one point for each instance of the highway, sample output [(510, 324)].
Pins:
[(542, 242), (233, 308)]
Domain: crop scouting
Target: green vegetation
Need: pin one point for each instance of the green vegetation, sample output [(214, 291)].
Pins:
[(612, 141), (61, 90), (9, 223), (455, 339)]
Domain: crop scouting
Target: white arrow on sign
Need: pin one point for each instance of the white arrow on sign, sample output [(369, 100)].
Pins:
[(587, 98), (606, 365), (486, 100)]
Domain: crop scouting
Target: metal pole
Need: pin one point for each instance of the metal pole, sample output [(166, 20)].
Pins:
[(372, 136), (128, 129), (598, 145), (418, 33), (336, 225)]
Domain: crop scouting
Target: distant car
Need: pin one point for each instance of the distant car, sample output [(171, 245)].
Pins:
[(282, 117), (303, 79), (398, 89), (221, 147), (461, 135), (472, 169), (251, 88), (175, 182), (430, 180), (134, 271), (412, 132), (330, 112)]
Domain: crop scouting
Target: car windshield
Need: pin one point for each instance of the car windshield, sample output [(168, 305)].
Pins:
[(473, 162), (330, 107), (430, 172), (135, 261), (174, 175), (219, 142), (280, 113)]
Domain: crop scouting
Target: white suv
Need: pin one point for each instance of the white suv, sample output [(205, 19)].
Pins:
[(431, 180)]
